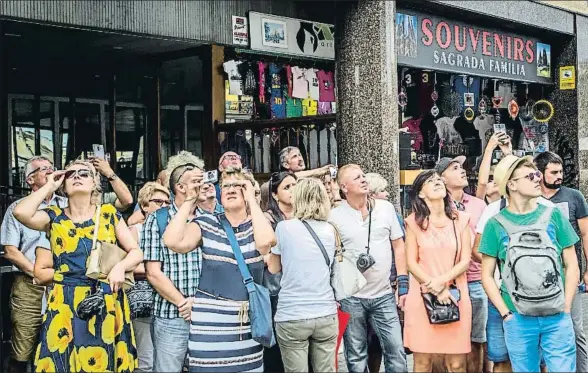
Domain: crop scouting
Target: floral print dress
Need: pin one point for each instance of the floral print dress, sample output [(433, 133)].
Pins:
[(103, 343)]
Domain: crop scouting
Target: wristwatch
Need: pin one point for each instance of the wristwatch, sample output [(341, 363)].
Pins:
[(506, 315), (112, 177)]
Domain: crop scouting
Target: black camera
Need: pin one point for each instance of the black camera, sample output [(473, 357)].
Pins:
[(364, 262)]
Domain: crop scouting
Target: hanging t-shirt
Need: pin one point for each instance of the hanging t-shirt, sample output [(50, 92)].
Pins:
[(313, 83), (324, 108), (276, 80), (299, 82), (447, 131), (408, 80), (326, 86), (246, 69), (429, 133), (466, 129), (485, 126), (414, 128), (293, 107), (235, 83), (309, 107), (461, 88), (261, 69), (288, 69), (278, 107)]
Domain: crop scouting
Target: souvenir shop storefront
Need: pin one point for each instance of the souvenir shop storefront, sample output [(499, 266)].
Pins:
[(279, 92), (459, 83)]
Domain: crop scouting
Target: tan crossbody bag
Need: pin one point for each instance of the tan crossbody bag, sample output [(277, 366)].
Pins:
[(104, 256)]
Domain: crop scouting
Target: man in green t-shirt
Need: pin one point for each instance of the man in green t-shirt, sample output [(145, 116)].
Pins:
[(526, 335)]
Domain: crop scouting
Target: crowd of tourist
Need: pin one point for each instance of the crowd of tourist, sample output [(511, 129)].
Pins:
[(485, 282)]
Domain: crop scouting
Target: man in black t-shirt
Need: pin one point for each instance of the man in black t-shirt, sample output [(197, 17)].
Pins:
[(573, 205)]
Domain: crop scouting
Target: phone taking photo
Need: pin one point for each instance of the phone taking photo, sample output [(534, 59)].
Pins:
[(210, 177), (333, 172), (99, 151), (499, 127)]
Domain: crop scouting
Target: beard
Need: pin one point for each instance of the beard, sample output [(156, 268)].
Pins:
[(553, 186)]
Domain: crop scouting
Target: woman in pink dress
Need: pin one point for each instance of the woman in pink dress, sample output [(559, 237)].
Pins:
[(438, 249)]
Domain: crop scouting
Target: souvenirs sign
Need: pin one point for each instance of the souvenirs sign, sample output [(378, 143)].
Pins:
[(431, 42)]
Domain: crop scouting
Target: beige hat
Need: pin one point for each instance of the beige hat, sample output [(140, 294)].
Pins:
[(505, 168)]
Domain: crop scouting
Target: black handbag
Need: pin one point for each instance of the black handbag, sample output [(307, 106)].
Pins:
[(444, 313)]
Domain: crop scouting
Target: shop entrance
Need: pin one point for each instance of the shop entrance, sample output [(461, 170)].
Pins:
[(65, 90)]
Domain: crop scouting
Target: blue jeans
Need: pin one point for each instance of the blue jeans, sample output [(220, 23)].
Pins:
[(382, 314), (170, 343), (497, 351), (528, 338), (479, 301)]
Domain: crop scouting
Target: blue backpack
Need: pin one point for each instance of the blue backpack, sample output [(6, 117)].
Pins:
[(162, 217)]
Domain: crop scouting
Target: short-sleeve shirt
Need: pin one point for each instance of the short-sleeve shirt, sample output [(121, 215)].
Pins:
[(474, 207), (182, 269), (326, 86), (299, 83), (354, 234), (573, 206), (309, 107), (306, 281), (14, 233), (495, 240), (313, 83)]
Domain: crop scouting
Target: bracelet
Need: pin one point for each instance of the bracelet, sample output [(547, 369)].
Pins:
[(506, 315)]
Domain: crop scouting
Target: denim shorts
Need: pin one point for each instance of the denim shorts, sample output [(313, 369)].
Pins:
[(479, 301), (497, 351)]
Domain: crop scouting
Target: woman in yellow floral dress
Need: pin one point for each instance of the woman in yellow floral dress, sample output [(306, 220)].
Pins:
[(100, 337)]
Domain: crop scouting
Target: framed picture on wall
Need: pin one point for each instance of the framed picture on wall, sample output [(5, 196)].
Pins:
[(274, 33)]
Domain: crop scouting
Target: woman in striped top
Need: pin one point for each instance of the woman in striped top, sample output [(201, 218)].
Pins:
[(220, 332)]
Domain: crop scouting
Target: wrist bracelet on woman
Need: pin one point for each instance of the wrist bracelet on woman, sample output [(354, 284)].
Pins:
[(402, 282), (506, 315)]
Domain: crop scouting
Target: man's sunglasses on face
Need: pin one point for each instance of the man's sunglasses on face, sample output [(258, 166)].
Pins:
[(232, 157), (42, 169), (531, 176), (82, 173)]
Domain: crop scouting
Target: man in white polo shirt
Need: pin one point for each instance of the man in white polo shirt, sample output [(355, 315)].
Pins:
[(370, 231)]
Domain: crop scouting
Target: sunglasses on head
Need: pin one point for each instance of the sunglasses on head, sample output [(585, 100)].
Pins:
[(160, 202), (531, 176), (82, 173), (187, 167), (42, 169)]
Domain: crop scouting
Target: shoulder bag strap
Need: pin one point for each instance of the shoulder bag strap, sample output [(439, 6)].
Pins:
[(318, 242), (161, 216), (456, 247), (370, 208), (96, 226), (247, 279)]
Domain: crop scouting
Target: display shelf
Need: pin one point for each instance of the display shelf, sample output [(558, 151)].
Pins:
[(260, 124)]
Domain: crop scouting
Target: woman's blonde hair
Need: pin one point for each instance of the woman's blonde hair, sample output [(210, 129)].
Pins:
[(96, 198), (235, 172), (376, 182), (148, 190), (310, 200)]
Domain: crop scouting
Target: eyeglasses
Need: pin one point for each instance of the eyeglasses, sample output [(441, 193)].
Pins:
[(232, 157), (531, 176), (42, 169), (231, 185), (160, 202), (82, 173)]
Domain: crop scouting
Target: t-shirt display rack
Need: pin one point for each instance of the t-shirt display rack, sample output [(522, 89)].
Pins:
[(264, 98), (449, 114)]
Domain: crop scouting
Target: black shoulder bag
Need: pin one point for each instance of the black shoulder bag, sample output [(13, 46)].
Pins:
[(444, 313)]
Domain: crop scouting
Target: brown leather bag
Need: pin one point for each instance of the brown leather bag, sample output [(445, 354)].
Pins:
[(104, 256)]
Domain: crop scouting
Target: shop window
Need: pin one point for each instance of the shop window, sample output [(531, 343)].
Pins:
[(28, 137)]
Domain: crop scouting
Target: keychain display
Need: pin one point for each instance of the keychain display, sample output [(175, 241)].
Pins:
[(483, 105), (513, 109), (469, 114), (402, 99), (543, 111), (435, 96)]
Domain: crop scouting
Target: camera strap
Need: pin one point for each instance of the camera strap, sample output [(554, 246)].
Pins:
[(370, 208)]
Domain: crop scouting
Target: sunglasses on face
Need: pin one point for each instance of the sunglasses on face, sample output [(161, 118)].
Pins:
[(82, 173), (42, 169), (160, 202), (531, 176)]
